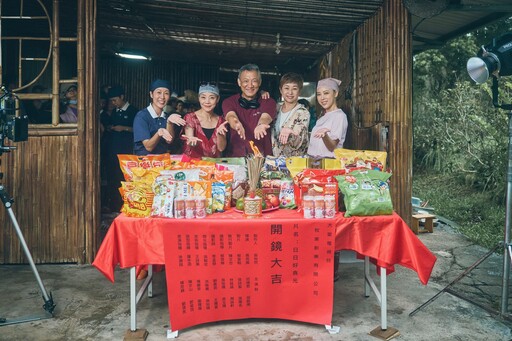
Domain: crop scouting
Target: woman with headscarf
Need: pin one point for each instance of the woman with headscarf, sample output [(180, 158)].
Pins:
[(204, 131), (330, 129), (150, 134)]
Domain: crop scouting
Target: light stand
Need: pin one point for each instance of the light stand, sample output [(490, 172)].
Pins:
[(10, 127), (507, 253)]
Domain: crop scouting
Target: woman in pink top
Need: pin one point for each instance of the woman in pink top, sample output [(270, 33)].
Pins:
[(330, 129), (204, 131)]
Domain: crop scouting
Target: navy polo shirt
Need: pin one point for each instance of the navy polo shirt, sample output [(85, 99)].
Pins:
[(144, 127)]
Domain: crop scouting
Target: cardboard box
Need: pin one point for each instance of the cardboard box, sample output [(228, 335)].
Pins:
[(331, 164), (295, 164)]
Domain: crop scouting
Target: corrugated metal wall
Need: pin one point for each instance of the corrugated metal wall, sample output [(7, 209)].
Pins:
[(136, 76)]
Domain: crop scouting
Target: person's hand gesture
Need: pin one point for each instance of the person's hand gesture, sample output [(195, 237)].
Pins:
[(239, 128), (264, 94), (285, 134), (176, 119), (163, 133), (221, 129), (191, 140), (260, 131), (320, 133)]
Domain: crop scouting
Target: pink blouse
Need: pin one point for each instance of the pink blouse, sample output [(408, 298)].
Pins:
[(208, 147)]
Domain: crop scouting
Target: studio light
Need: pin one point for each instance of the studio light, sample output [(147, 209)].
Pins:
[(494, 59)]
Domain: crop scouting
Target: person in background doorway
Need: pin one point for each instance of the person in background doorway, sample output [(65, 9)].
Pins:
[(312, 114), (120, 142), (69, 109), (39, 111), (290, 135)]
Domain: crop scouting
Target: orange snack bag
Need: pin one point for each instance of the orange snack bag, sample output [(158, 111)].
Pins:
[(128, 161), (137, 197)]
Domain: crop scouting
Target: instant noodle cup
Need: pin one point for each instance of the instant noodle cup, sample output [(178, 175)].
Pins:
[(252, 207)]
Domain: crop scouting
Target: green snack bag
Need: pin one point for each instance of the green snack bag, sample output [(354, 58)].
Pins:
[(366, 193)]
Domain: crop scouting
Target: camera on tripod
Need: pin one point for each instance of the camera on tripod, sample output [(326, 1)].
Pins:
[(12, 127)]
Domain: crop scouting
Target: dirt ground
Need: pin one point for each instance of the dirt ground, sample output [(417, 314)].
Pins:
[(89, 307)]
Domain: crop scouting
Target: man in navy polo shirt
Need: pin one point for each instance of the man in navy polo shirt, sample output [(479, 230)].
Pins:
[(120, 141)]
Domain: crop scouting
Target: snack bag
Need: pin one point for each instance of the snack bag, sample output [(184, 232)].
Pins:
[(163, 202), (137, 197), (226, 177), (286, 194), (366, 193), (127, 162), (274, 168), (312, 182), (191, 174), (202, 189), (218, 196), (361, 159), (207, 168)]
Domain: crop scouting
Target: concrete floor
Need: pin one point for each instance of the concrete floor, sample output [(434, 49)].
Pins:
[(89, 307)]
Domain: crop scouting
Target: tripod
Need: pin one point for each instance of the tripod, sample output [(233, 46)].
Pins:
[(48, 305)]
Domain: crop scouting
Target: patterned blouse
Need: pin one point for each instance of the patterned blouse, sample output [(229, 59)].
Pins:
[(208, 147), (298, 121)]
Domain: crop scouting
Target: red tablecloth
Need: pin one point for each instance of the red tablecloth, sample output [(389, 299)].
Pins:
[(386, 239)]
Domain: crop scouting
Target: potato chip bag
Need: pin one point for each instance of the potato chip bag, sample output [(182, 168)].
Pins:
[(191, 174), (218, 196), (366, 193), (127, 162), (202, 189), (226, 177), (361, 159), (163, 202), (138, 199)]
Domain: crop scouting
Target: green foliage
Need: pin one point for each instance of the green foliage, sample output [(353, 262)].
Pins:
[(456, 128), (475, 213), (460, 138)]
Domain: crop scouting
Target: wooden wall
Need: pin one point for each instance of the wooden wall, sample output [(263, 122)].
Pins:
[(53, 177), (375, 66)]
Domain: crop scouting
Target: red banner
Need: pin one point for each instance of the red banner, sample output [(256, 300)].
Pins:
[(267, 268)]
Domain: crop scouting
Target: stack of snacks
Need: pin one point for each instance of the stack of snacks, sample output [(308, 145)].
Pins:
[(275, 182), (140, 173), (238, 166), (314, 182)]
